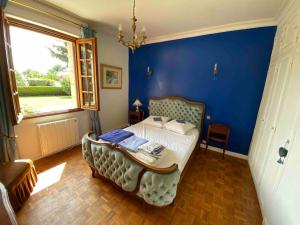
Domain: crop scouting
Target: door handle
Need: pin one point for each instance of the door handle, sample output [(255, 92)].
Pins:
[(283, 152)]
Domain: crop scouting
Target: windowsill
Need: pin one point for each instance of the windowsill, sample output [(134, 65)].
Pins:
[(37, 115)]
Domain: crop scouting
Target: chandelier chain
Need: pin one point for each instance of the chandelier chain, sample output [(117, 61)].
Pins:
[(133, 8)]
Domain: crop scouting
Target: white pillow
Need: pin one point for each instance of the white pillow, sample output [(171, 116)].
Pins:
[(179, 127), (164, 119), (150, 121)]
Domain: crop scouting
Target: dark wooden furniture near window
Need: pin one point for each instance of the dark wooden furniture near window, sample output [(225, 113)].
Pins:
[(135, 116), (19, 178), (218, 133)]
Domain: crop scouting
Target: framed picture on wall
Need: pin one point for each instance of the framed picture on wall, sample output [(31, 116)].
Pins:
[(111, 77)]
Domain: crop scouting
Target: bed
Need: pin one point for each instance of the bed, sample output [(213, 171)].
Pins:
[(155, 183)]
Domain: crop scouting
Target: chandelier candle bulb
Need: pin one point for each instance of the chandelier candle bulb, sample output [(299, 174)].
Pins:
[(120, 27)]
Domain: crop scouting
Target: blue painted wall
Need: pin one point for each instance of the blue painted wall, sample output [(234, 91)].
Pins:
[(185, 68)]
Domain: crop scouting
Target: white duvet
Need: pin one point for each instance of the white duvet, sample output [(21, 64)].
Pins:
[(179, 146)]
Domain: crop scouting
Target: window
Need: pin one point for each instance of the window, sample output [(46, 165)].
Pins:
[(50, 72), (87, 57)]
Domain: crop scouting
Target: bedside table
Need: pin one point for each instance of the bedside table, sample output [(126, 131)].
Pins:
[(135, 116), (218, 133)]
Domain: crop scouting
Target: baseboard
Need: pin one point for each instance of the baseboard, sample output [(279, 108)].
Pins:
[(230, 153), (265, 221), (60, 151)]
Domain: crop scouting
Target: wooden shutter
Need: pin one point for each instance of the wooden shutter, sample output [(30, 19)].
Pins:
[(87, 73), (9, 72)]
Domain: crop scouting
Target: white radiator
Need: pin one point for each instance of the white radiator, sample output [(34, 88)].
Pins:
[(58, 135)]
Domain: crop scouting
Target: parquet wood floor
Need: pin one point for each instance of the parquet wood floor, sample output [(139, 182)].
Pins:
[(213, 192)]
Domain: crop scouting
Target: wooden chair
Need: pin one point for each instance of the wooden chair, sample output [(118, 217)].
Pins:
[(218, 133)]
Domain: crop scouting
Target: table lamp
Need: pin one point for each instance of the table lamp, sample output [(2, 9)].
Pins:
[(137, 103)]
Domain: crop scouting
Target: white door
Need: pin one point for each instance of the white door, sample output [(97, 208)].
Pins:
[(270, 109), (288, 191), (288, 122), (260, 121), (275, 102)]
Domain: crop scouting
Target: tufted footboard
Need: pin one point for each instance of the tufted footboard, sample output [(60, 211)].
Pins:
[(157, 186), (159, 189)]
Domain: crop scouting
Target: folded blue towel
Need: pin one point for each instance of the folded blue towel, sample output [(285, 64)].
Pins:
[(116, 136), (132, 143)]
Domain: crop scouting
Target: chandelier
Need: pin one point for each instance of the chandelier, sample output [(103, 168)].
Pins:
[(135, 41)]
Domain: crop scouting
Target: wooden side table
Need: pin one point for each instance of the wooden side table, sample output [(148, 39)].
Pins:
[(218, 133), (135, 116)]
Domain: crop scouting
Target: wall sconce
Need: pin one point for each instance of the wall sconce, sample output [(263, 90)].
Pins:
[(149, 71), (215, 70)]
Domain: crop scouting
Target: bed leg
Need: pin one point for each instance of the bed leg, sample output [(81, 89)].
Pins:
[(199, 145), (206, 146), (93, 172), (173, 203)]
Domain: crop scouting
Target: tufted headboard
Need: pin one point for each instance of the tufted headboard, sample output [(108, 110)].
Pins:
[(178, 108)]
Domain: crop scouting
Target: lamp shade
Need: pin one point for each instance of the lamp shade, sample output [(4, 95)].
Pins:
[(137, 102)]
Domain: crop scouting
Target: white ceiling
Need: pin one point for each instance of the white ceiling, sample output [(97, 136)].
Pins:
[(164, 17)]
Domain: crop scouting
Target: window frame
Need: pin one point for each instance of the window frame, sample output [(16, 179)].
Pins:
[(10, 21), (8, 71), (94, 77)]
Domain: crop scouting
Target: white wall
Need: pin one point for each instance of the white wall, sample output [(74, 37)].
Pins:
[(113, 102)]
